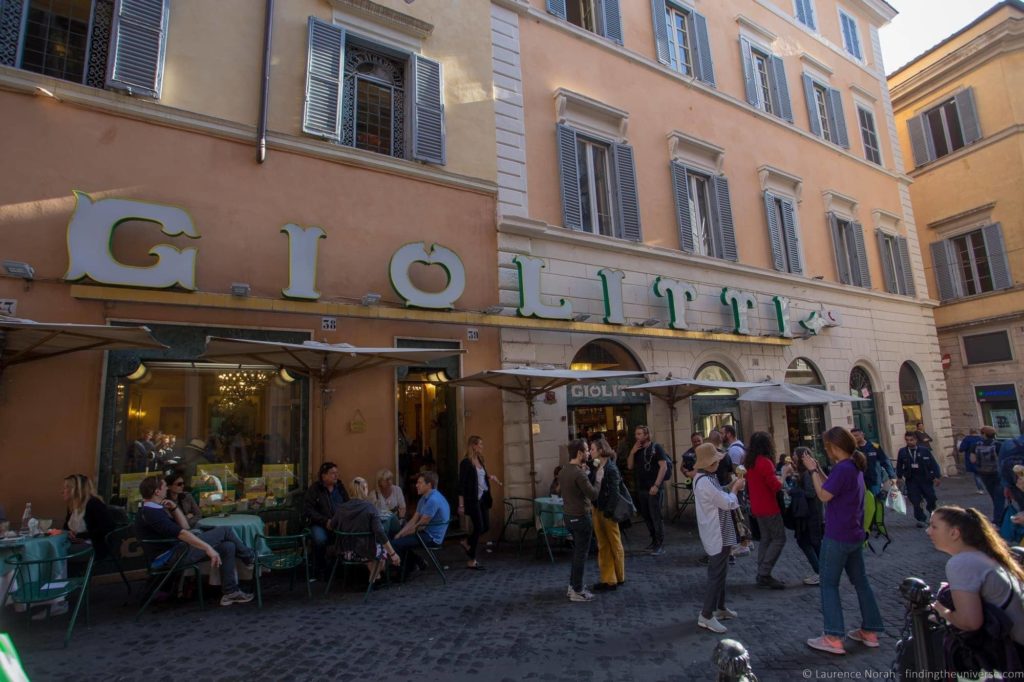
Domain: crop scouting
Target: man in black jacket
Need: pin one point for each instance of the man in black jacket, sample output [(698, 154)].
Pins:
[(917, 467), (322, 500), (650, 465)]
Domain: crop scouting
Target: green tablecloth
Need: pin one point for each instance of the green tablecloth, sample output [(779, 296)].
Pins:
[(548, 512), (246, 527), (34, 549)]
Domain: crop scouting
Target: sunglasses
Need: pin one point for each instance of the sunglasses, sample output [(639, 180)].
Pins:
[(177, 483)]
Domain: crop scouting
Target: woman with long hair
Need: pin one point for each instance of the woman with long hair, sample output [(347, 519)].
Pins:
[(475, 497), (980, 569), (808, 525), (762, 488), (611, 558), (843, 545), (87, 519), (177, 493)]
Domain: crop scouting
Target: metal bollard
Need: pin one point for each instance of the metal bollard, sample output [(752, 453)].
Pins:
[(733, 662), (918, 594)]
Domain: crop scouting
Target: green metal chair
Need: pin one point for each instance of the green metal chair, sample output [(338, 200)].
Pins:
[(282, 520), (684, 492), (551, 525), (287, 553), (346, 545), (35, 583), (518, 514), (113, 542), (176, 563), (430, 548)]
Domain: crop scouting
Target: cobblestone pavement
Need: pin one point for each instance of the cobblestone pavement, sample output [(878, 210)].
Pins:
[(512, 622)]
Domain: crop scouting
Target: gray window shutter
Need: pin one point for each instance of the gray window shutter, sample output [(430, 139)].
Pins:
[(724, 222), (908, 273), (863, 275), (997, 261), (780, 89), (625, 183), (324, 65), (557, 7), (660, 30), (968, 115), (428, 137), (887, 272), (681, 190), (842, 269), (920, 141), (837, 119), (774, 232), (749, 81), (138, 40), (942, 261), (796, 265), (569, 170), (801, 13), (612, 19), (705, 70), (812, 108), (10, 31)]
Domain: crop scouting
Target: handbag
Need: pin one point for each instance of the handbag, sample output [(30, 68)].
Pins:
[(623, 510), (894, 500), (744, 532)]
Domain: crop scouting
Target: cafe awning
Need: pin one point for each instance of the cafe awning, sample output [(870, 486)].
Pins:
[(795, 394)]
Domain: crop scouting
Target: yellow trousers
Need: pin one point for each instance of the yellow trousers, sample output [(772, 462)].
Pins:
[(611, 560)]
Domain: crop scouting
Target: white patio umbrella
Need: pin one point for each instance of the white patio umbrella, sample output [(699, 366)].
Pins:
[(795, 394), (24, 340), (324, 362), (530, 382)]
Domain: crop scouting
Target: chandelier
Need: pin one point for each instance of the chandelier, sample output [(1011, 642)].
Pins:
[(241, 386)]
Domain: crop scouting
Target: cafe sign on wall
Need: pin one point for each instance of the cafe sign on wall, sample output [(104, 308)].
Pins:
[(92, 225), (608, 392)]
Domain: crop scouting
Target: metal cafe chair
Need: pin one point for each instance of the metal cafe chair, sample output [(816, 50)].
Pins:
[(684, 487), (347, 545), (33, 582), (430, 548), (173, 564), (287, 553), (551, 526), (113, 542), (518, 514)]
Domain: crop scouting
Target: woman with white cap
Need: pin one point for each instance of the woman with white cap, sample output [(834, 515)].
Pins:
[(714, 506)]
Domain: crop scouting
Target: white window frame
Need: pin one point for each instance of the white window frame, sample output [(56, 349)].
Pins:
[(821, 98), (958, 269), (595, 16), (673, 10), (858, 105), (703, 244), (763, 87), (813, 26), (588, 144), (941, 107), (856, 36)]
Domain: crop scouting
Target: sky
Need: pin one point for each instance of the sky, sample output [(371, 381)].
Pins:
[(923, 23)]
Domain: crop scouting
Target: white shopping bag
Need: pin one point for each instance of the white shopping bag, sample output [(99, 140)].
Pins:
[(895, 501)]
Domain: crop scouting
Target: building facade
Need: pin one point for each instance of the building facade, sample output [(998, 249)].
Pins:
[(959, 115), (710, 190)]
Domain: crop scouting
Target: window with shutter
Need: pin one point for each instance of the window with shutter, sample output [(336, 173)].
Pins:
[(972, 263), (944, 128), (597, 16), (851, 257), (783, 234), (681, 38), (945, 276), (764, 77), (907, 272), (895, 270), (851, 35), (703, 212), (598, 185), (805, 13), (868, 135), (825, 112)]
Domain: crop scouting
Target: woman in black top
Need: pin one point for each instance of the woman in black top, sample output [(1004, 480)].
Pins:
[(176, 492), (87, 519), (475, 496)]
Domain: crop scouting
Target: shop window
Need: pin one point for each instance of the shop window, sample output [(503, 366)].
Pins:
[(944, 128), (825, 112), (681, 39), (991, 347), (597, 16), (805, 424), (602, 354), (972, 263), (86, 41), (764, 75), (850, 255), (373, 97), (911, 395)]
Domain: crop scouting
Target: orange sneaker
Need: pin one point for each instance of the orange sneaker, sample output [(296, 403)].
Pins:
[(868, 639), (833, 645)]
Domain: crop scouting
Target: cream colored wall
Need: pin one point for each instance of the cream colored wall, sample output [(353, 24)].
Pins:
[(749, 140)]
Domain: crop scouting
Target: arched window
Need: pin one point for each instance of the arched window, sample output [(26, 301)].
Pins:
[(715, 372), (860, 383), (802, 372), (605, 355)]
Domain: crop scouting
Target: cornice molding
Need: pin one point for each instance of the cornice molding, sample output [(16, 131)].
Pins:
[(699, 152), (762, 33), (590, 114), (841, 203), (776, 178), (385, 16)]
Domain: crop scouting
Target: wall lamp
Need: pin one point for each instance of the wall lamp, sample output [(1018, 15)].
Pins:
[(580, 317), (370, 299), (649, 322), (240, 289), (494, 310), (16, 268)]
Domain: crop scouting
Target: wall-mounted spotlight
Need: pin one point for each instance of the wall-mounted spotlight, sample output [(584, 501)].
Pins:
[(580, 317), (369, 299), (16, 268), (240, 289), (649, 322), (494, 310)]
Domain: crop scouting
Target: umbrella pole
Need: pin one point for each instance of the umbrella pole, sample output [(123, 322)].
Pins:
[(529, 431), (672, 434)]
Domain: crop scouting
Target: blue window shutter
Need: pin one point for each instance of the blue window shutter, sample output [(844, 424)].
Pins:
[(569, 170), (774, 232), (428, 136), (943, 260), (842, 268), (321, 114), (837, 118), (724, 222), (968, 115), (908, 273), (661, 43), (681, 191), (10, 30), (705, 71), (812, 108), (997, 261), (920, 139), (801, 12), (557, 7), (138, 40), (789, 228), (625, 183), (780, 88), (612, 19), (864, 273), (887, 272), (749, 81)]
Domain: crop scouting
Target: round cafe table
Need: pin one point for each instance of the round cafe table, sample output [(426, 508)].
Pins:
[(548, 511), (246, 527), (33, 549)]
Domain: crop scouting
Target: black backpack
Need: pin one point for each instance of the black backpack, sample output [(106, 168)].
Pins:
[(986, 457)]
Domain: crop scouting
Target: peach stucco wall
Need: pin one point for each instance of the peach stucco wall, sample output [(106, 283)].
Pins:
[(49, 411)]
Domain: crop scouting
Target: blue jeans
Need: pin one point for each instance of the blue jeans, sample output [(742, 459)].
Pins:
[(977, 482), (582, 529), (320, 536), (994, 487), (834, 558)]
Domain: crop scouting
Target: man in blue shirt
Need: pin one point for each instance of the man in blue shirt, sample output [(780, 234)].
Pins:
[(431, 509), (878, 462), (966, 448)]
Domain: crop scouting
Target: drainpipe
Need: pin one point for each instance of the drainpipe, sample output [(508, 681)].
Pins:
[(268, 29)]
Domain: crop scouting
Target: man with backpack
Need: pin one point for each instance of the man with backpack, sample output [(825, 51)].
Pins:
[(651, 467), (984, 456), (1011, 454)]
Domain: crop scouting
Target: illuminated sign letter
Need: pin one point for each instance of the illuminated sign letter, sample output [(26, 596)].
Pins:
[(91, 232), (813, 323), (529, 292), (678, 294), (303, 243), (782, 316), (611, 283), (435, 254), (740, 302)]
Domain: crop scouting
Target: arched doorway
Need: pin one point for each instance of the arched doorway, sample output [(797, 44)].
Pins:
[(609, 407), (911, 396), (805, 423), (864, 415), (717, 407)]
